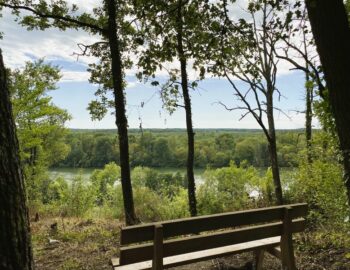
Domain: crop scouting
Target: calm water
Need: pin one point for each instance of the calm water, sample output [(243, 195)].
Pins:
[(70, 173)]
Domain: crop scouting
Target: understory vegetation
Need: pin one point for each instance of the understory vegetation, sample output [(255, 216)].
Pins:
[(177, 47), (89, 212), (238, 184), (237, 176)]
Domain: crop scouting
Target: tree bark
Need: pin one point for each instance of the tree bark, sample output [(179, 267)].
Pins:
[(15, 240), (308, 120), (273, 147), (187, 102), (269, 73), (331, 31), (120, 112), (309, 99)]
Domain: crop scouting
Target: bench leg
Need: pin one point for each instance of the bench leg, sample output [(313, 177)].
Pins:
[(287, 252), (259, 259), (157, 263)]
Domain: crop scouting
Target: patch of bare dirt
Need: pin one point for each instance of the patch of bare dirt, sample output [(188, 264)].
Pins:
[(74, 244)]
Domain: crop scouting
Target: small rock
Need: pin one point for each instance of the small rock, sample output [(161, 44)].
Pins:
[(53, 241)]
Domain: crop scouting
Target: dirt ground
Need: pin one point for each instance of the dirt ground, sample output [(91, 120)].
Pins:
[(72, 244)]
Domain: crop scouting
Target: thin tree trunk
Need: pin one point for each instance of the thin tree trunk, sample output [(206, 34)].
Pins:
[(189, 126), (331, 31), (273, 147), (120, 113), (308, 111), (190, 142), (308, 119), (15, 240), (269, 75)]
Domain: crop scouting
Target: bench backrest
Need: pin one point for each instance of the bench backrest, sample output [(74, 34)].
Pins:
[(184, 235)]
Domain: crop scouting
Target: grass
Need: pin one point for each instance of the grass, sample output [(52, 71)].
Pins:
[(82, 244)]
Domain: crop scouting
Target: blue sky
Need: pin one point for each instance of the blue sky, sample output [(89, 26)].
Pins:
[(74, 92), (207, 112)]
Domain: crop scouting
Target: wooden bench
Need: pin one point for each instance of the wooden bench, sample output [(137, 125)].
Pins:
[(177, 242)]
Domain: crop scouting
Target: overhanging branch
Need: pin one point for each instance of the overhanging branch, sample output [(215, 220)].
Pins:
[(66, 19)]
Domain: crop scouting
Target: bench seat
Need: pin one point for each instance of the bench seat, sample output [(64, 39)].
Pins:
[(208, 254), (178, 242)]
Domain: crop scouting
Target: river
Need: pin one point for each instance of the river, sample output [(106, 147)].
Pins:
[(70, 173)]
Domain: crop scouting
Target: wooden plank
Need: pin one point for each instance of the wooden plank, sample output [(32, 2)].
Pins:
[(195, 225), (157, 263), (138, 253), (208, 254)]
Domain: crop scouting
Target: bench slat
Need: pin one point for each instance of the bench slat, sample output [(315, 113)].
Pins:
[(144, 252), (172, 228), (204, 255)]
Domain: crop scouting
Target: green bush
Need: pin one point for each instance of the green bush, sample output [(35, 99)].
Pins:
[(320, 184), (157, 196), (147, 177), (68, 198), (149, 205), (226, 189), (102, 179), (56, 190)]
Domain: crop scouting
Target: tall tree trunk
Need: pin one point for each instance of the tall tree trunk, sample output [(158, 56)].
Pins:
[(331, 31), (189, 126), (120, 113), (273, 147), (309, 99), (308, 119), (308, 103), (15, 242)]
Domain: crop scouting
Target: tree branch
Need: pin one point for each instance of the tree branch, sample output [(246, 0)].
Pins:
[(85, 48), (66, 19)]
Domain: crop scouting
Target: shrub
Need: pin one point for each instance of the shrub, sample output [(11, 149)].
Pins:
[(101, 179), (78, 199), (320, 184), (226, 189)]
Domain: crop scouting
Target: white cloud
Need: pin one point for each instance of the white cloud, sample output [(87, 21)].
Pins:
[(20, 45), (85, 5), (74, 76), (132, 85)]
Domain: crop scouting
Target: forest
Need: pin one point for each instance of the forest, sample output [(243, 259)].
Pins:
[(51, 222), (167, 148)]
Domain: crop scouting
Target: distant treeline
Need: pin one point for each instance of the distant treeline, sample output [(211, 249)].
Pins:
[(167, 148)]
